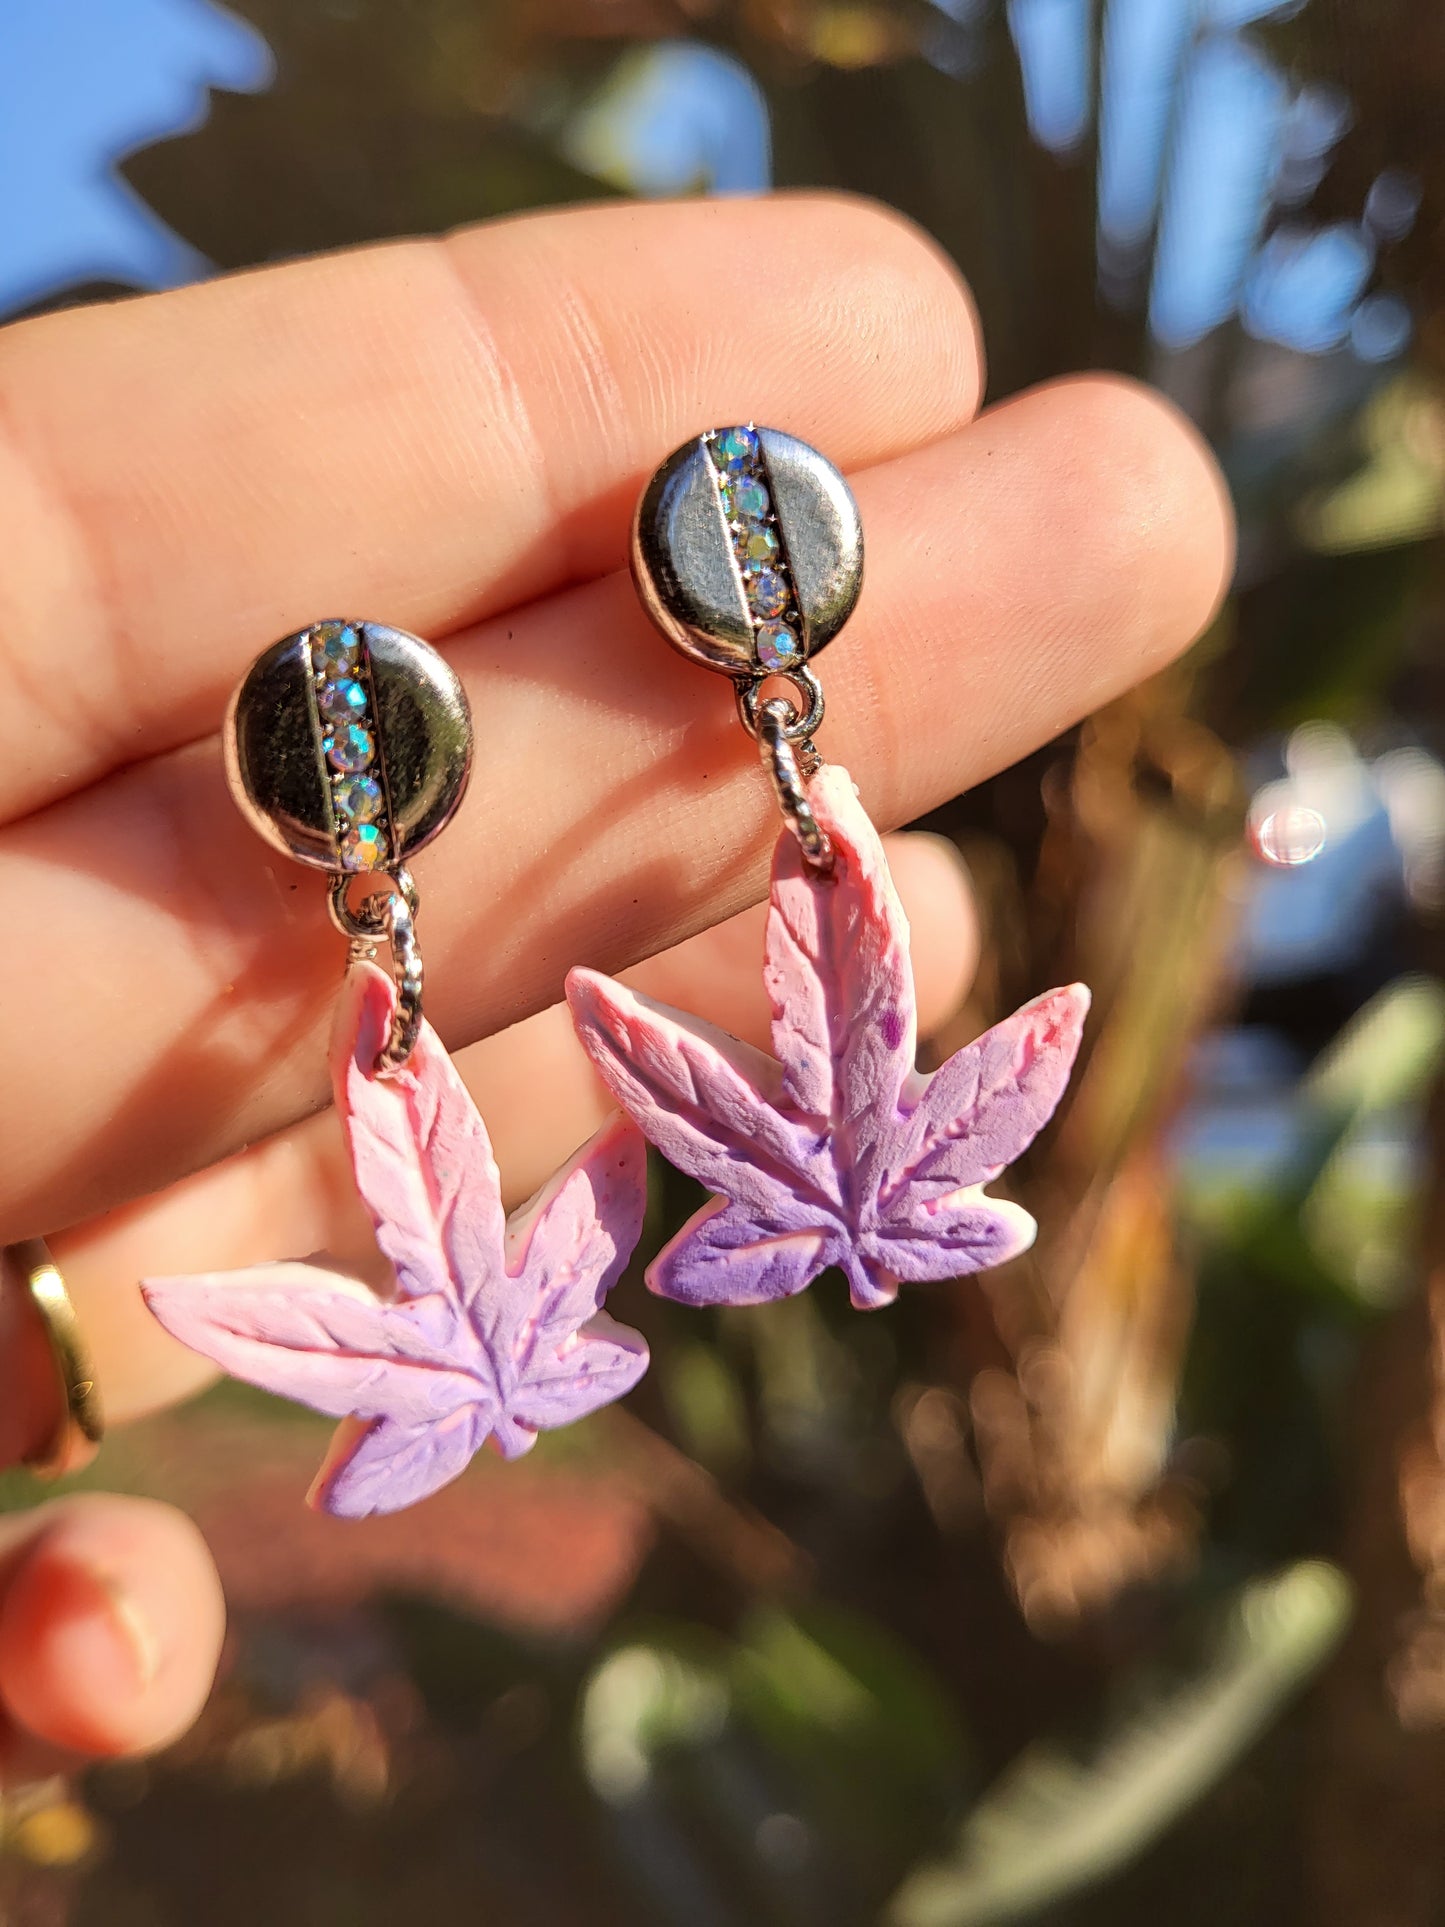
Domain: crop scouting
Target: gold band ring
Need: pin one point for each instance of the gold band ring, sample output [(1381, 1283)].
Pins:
[(80, 1426)]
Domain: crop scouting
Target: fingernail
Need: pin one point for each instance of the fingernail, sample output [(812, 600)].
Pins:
[(80, 1653), (135, 1630), (95, 1634)]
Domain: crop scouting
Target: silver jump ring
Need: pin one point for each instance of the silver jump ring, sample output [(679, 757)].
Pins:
[(780, 760), (365, 923), (389, 913), (804, 722)]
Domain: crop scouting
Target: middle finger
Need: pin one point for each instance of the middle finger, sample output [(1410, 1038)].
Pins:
[(1020, 573)]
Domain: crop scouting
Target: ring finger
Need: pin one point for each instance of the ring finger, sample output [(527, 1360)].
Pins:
[(292, 1195)]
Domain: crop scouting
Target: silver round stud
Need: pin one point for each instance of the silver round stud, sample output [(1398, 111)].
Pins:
[(348, 745), (747, 551)]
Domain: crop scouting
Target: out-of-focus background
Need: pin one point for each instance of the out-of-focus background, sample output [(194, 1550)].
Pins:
[(1109, 1588)]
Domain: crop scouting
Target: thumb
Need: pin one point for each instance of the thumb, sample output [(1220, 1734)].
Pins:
[(111, 1621)]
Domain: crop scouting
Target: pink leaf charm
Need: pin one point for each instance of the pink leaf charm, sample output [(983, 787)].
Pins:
[(840, 1152), (496, 1330)]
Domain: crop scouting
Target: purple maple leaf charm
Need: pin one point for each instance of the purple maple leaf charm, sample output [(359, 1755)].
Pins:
[(495, 1330), (840, 1153)]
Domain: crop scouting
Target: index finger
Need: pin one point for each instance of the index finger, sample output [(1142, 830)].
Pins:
[(421, 433)]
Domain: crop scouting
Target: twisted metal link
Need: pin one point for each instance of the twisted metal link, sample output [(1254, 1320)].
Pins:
[(784, 765), (388, 913), (783, 731)]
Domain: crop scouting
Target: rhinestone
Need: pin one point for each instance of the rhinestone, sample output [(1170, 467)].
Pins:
[(777, 646), (342, 702), (734, 449), (745, 498), (351, 748), (363, 848), (334, 646), (767, 592), (359, 799), (760, 546)]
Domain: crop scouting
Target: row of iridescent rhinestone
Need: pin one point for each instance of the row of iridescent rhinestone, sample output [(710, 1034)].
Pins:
[(757, 544), (348, 742)]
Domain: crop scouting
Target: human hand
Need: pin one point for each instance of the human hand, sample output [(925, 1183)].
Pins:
[(449, 436)]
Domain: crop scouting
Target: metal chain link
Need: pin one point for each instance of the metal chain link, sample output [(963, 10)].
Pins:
[(388, 913), (788, 757)]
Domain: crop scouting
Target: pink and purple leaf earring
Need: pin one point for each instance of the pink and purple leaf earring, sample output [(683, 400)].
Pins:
[(835, 1151), (349, 746)]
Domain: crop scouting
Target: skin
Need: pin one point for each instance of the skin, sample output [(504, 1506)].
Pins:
[(449, 435)]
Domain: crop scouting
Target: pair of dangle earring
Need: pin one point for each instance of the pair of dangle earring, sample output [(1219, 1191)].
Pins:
[(349, 746)]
